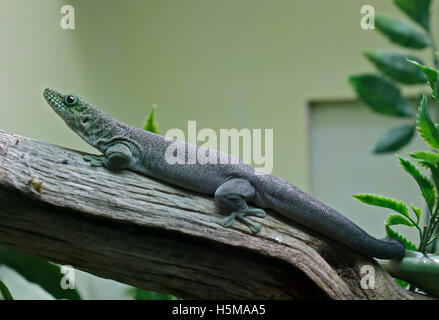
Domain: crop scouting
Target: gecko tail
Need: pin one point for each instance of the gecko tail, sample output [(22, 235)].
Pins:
[(300, 207), (396, 248)]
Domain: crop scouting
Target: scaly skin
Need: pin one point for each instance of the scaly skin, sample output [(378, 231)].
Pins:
[(232, 182)]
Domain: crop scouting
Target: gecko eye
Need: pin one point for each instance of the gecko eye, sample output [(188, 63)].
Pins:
[(71, 100)]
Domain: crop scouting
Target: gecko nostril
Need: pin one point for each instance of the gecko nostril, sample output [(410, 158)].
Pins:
[(85, 120)]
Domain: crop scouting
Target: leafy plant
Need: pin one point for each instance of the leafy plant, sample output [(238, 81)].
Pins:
[(429, 187), (382, 92)]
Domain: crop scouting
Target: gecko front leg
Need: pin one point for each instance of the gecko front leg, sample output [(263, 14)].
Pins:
[(116, 157)]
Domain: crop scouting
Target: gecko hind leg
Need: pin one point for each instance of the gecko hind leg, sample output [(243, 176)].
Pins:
[(233, 195)]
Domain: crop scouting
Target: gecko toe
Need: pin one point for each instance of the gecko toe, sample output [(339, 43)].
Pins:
[(256, 213), (253, 226), (228, 221)]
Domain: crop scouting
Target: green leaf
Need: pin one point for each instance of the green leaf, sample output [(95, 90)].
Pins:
[(45, 274), (401, 32), (433, 238), (418, 213), (394, 139), (434, 169), (426, 128), (385, 202), (4, 291), (381, 95), (150, 123), (417, 10), (395, 219), (435, 175), (432, 77), (430, 157), (395, 235), (426, 186), (396, 66), (140, 294), (402, 283)]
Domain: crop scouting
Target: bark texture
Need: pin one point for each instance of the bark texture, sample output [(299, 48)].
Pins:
[(139, 231)]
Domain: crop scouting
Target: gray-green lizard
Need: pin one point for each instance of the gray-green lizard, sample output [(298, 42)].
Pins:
[(231, 182)]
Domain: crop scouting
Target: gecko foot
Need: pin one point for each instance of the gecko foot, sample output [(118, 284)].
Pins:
[(95, 161), (240, 215)]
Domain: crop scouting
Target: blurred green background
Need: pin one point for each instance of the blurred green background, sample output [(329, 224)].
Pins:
[(278, 64)]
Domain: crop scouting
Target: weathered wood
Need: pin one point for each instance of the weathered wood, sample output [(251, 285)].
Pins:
[(139, 231)]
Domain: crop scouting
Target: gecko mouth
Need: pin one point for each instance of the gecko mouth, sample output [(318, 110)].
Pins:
[(53, 98)]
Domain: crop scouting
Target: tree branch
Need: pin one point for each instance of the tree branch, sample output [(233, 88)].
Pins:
[(139, 231)]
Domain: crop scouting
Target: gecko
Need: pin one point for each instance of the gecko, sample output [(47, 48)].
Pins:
[(232, 183)]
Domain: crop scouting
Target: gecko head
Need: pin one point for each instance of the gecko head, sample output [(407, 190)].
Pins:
[(78, 114)]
